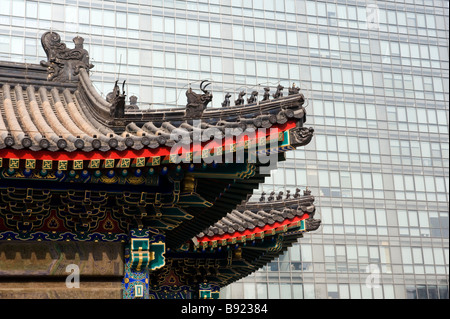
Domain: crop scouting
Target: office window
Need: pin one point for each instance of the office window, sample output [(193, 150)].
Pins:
[(180, 26), (323, 41), (5, 8), (182, 61), (313, 40), (261, 68), (347, 76), (109, 54), (169, 25), (272, 69), (17, 45), (324, 179), (121, 19), (45, 11), (204, 29), (193, 62), (348, 217), (133, 56), (32, 10), (248, 34), (311, 8), (169, 59), (216, 64), (215, 30), (192, 27), (109, 18)]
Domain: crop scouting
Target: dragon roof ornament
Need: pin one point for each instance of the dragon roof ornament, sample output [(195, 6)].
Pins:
[(63, 64)]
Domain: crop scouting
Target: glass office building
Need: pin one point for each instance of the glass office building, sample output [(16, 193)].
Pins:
[(376, 77)]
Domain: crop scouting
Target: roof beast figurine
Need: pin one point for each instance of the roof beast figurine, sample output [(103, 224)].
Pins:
[(197, 103)]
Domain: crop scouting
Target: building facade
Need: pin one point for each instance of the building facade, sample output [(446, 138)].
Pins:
[(376, 78)]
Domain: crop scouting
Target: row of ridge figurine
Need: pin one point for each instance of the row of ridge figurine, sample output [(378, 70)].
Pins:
[(254, 95), (280, 195), (240, 100)]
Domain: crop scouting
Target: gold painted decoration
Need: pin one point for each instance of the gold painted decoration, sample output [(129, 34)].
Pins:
[(62, 165), (124, 163), (173, 158), (189, 183), (134, 180), (155, 160), (53, 223), (139, 162), (30, 163), (206, 153), (109, 180), (230, 148), (47, 164), (94, 164), (188, 157), (77, 164), (109, 163), (14, 163)]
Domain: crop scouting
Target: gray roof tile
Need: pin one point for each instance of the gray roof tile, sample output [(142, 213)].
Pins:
[(248, 216)]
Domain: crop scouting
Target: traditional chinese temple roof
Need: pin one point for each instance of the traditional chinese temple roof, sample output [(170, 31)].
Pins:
[(55, 118), (253, 217), (246, 239), (75, 166), (57, 113)]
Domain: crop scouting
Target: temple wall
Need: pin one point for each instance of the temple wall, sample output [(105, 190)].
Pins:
[(38, 270)]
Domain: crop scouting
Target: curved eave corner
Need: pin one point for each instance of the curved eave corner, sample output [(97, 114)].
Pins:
[(256, 221), (295, 224)]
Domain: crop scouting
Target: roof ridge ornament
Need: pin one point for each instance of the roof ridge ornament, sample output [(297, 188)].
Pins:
[(279, 197), (63, 64), (279, 92), (294, 89), (118, 100), (196, 103), (300, 136)]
